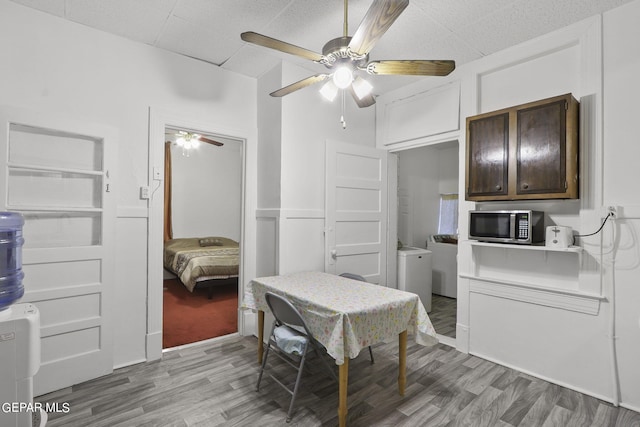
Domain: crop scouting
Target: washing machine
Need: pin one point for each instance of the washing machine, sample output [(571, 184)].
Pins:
[(414, 273)]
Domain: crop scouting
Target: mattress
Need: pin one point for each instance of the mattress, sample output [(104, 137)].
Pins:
[(192, 262)]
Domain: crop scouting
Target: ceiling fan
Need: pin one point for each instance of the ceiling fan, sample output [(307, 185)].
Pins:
[(348, 56), (191, 140)]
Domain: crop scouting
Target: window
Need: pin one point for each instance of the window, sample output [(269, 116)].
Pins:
[(448, 219)]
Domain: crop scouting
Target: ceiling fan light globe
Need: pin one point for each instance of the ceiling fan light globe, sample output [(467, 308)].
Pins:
[(329, 91), (361, 87), (343, 77)]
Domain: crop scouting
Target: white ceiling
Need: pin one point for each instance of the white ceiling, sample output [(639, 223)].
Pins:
[(209, 30)]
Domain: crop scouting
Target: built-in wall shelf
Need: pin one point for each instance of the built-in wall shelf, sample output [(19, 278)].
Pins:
[(511, 271), (570, 249)]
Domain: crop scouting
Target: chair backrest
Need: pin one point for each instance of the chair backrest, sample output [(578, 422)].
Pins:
[(284, 311), (353, 276)]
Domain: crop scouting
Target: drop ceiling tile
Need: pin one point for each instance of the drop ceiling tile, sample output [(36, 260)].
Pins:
[(524, 20), (311, 24), (412, 36), (140, 20), (181, 36), (54, 7), (563, 13), (458, 14), (230, 17), (251, 61)]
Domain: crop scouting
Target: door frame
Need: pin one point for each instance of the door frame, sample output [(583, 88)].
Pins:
[(393, 204), (159, 119)]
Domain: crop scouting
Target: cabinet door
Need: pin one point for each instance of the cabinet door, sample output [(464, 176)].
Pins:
[(488, 156), (541, 149)]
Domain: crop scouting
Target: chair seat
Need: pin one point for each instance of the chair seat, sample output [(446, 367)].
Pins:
[(289, 340)]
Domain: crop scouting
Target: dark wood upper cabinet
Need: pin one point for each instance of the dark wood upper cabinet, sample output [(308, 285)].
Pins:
[(488, 154), (529, 151)]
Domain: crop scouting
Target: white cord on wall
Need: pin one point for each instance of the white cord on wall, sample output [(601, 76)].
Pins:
[(612, 318)]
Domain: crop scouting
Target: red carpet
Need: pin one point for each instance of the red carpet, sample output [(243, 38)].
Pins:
[(190, 317)]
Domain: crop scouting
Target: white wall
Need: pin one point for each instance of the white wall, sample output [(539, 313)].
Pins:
[(424, 173), (207, 191), (621, 172), (306, 122), (52, 65), (549, 314), (525, 308), (270, 148)]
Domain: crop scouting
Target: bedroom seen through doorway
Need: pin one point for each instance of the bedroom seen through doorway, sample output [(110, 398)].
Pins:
[(203, 211)]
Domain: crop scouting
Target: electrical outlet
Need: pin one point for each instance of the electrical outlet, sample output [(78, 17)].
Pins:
[(612, 211), (144, 193)]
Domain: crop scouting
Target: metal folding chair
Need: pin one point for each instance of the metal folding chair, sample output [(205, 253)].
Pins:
[(291, 339)]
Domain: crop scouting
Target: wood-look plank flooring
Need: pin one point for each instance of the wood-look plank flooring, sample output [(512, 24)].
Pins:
[(443, 315), (213, 384)]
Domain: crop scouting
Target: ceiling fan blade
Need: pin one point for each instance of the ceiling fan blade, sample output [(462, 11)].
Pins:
[(366, 101), (412, 68), (210, 141), (299, 85), (276, 44), (380, 16)]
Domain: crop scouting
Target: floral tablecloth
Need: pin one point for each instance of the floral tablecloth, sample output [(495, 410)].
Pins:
[(346, 315)]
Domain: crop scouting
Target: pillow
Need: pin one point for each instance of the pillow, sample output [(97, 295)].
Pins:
[(211, 241)]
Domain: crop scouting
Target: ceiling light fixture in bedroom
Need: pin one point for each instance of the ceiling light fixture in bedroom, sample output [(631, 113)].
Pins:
[(187, 141)]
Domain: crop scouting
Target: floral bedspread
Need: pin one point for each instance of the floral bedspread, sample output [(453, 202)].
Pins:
[(346, 315), (192, 262)]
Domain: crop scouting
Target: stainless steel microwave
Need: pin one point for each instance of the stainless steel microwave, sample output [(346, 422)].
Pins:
[(524, 227)]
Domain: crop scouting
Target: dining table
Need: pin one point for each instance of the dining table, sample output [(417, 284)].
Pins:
[(345, 316)]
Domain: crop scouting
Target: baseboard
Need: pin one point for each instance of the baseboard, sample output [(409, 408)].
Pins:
[(249, 323), (544, 378), (203, 342), (129, 363), (154, 346), (451, 342), (462, 338), (630, 407)]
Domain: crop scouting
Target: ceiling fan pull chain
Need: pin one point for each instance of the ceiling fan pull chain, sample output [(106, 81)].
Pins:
[(342, 121)]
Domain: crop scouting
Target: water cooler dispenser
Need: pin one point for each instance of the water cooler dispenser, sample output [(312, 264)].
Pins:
[(19, 332)]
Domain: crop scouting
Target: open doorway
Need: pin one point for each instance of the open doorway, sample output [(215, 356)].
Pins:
[(428, 185), (201, 256)]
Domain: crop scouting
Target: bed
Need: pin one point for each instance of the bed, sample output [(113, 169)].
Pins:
[(203, 262)]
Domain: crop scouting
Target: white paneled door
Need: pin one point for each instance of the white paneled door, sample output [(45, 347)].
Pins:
[(356, 211), (56, 173)]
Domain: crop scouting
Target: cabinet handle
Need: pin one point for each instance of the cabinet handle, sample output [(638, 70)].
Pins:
[(525, 186), (498, 187)]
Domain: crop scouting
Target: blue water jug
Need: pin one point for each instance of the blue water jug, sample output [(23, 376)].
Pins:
[(11, 274)]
